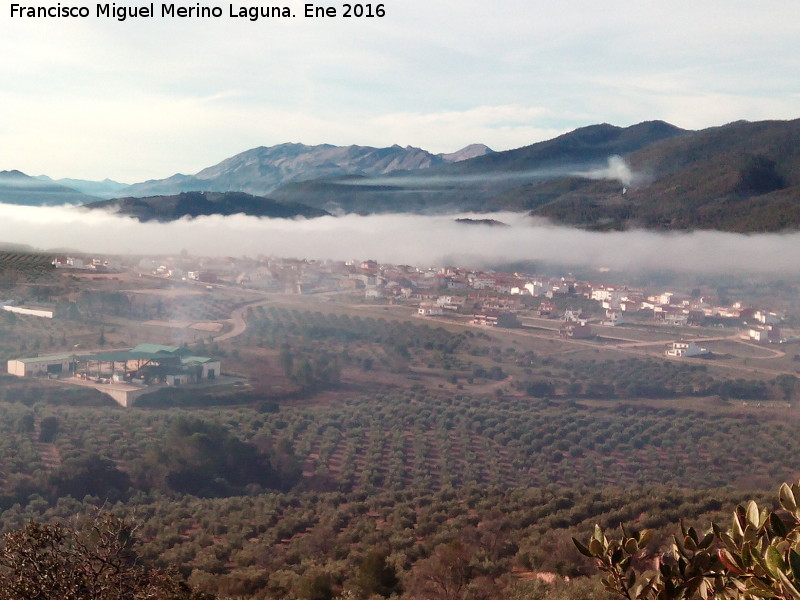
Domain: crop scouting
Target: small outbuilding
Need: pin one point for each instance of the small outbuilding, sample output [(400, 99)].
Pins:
[(685, 349)]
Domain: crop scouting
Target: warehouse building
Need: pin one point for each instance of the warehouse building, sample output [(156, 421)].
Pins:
[(123, 374), (56, 365), (150, 364)]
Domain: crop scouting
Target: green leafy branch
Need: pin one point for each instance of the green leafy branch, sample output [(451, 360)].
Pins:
[(758, 557)]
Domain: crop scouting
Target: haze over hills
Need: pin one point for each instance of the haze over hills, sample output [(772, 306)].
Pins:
[(582, 148), (107, 188), (472, 184), (738, 177), (18, 188), (260, 170), (195, 204)]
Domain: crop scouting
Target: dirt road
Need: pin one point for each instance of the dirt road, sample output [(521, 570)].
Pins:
[(239, 325)]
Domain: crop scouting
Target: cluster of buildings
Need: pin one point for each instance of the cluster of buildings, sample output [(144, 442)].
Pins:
[(488, 297), (122, 374), (99, 264), (447, 290), (616, 304)]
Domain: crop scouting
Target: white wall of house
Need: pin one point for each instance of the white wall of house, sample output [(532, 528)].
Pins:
[(33, 312), (767, 318), (16, 367), (212, 368), (32, 367)]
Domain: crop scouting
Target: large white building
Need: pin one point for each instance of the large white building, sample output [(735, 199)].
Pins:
[(54, 365)]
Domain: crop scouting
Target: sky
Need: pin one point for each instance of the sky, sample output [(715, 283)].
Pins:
[(145, 98)]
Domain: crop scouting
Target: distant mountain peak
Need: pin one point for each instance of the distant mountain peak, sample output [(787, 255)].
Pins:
[(14, 174), (261, 170), (467, 152)]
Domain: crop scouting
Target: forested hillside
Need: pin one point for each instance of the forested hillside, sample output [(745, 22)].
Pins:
[(739, 177), (195, 204), (495, 483)]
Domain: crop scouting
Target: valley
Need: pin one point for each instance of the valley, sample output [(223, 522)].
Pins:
[(358, 431)]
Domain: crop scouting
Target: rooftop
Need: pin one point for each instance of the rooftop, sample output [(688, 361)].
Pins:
[(47, 357)]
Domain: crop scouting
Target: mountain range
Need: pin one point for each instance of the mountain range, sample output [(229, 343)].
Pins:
[(18, 188), (473, 185), (107, 188), (261, 170), (743, 176)]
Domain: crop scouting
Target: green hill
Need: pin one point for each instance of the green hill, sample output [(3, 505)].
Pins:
[(739, 177), (195, 204)]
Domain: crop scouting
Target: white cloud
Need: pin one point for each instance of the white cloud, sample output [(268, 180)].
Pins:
[(412, 239), (146, 98)]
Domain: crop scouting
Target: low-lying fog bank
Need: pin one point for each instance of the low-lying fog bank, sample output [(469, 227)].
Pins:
[(411, 239)]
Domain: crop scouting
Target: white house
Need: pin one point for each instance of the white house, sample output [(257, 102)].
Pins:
[(768, 333), (537, 288), (67, 262), (767, 318), (428, 309), (613, 318), (483, 283), (685, 349), (608, 294)]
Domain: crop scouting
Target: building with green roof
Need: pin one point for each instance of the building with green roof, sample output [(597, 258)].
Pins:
[(145, 364)]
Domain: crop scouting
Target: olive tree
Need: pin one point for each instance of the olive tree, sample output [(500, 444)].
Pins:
[(757, 557), (94, 559)]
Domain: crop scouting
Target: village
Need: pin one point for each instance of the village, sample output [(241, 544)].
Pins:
[(205, 300), (490, 298)]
